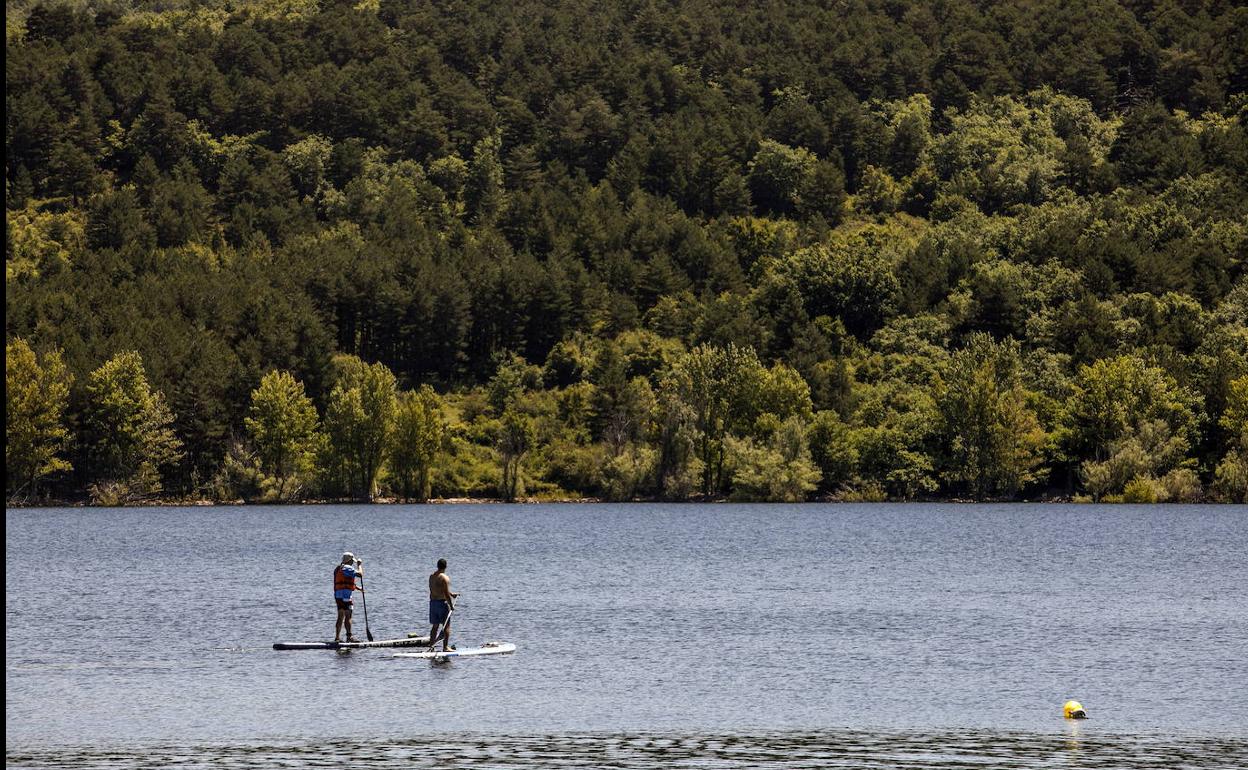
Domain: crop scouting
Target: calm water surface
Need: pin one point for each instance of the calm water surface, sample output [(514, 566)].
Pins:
[(728, 636)]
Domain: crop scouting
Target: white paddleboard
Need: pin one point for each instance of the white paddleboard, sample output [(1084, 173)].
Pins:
[(419, 641), (489, 648)]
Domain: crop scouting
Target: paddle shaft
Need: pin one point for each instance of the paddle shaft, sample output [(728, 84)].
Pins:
[(364, 601), (446, 629)]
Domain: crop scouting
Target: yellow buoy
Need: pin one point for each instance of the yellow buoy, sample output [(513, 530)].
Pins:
[(1073, 709)]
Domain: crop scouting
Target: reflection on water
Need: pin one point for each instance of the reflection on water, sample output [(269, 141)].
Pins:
[(1074, 739), (823, 749)]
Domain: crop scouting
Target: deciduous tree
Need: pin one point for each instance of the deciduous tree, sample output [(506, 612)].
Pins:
[(129, 431), (417, 439), (993, 440), (359, 420), (36, 392), (284, 428)]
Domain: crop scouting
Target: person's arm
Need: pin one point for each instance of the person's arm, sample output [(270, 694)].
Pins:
[(359, 573), (450, 597)]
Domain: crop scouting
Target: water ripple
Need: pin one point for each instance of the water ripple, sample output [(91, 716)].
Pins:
[(774, 751)]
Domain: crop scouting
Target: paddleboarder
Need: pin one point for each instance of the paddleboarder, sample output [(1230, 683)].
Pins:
[(441, 605), (344, 583)]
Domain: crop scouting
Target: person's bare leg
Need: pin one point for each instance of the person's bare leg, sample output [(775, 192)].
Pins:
[(446, 635), (338, 627), (433, 635), (347, 623)]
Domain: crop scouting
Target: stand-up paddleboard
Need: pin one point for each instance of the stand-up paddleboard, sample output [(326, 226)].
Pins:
[(489, 648), (417, 641)]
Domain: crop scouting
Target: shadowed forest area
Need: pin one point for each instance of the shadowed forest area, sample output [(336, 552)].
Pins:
[(685, 249)]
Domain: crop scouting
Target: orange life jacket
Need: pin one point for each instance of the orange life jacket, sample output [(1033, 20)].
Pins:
[(341, 581)]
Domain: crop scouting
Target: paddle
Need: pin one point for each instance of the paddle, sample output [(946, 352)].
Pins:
[(446, 630), (364, 600)]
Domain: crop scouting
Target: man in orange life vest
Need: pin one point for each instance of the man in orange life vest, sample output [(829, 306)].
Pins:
[(344, 584)]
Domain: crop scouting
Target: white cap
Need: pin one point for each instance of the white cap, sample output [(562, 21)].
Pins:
[(348, 556)]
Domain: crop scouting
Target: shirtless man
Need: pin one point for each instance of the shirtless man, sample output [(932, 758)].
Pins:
[(441, 605)]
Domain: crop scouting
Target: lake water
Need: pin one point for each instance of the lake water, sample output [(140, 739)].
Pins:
[(716, 636)]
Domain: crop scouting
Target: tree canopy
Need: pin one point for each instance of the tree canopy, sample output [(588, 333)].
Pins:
[(771, 251)]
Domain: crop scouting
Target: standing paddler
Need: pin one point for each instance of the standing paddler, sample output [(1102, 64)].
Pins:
[(441, 605), (344, 583)]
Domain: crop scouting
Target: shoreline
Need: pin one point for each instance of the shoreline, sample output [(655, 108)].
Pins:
[(460, 501)]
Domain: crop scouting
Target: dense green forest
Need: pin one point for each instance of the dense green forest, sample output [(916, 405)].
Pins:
[(679, 249)]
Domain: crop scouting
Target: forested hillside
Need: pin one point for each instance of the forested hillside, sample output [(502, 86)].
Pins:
[(860, 249)]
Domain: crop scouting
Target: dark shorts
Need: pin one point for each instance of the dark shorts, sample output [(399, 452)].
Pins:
[(343, 604), (439, 611)]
